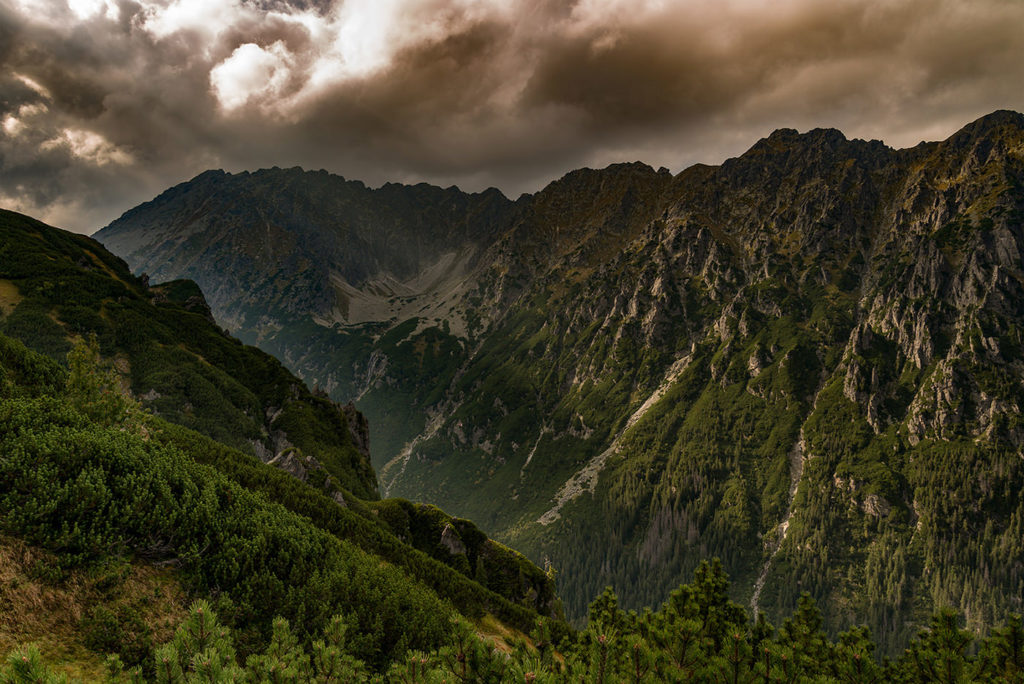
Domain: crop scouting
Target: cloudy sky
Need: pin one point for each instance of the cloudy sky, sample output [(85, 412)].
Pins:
[(104, 103)]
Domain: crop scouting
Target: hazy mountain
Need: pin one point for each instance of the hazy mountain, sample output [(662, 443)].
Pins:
[(806, 361)]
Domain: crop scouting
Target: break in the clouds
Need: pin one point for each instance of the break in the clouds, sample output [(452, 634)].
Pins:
[(103, 103)]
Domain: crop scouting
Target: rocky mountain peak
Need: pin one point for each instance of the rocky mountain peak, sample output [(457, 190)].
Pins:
[(1002, 122), (321, 243)]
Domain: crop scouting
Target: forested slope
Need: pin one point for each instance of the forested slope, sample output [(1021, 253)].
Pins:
[(164, 342)]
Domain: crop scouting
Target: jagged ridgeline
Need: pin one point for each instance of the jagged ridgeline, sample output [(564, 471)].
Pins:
[(806, 361), (145, 445)]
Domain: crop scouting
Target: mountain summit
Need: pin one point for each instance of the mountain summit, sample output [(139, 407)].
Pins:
[(806, 361)]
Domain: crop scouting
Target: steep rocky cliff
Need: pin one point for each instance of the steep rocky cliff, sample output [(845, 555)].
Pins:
[(806, 361)]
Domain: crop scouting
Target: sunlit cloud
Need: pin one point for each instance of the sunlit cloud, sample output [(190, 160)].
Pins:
[(14, 124), (87, 9), (11, 125), (251, 73), (207, 17), (89, 147), (34, 86)]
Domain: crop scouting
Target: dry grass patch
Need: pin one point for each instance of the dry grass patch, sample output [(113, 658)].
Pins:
[(68, 613), (9, 297), (500, 635)]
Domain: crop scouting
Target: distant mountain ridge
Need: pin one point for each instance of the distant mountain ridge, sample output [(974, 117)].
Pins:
[(806, 361), (338, 249)]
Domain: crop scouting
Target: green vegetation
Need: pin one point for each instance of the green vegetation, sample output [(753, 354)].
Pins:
[(91, 475), (88, 474), (181, 365), (199, 508), (91, 487), (460, 544), (697, 635), (808, 367), (358, 523), (415, 368), (904, 505)]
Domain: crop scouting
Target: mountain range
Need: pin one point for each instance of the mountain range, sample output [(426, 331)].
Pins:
[(805, 361)]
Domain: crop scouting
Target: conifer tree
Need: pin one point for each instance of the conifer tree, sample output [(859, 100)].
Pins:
[(1002, 653), (733, 663), (641, 661), (416, 669), (543, 641), (26, 666), (330, 661), (802, 634), (284, 661), (710, 592), (468, 658), (854, 661), (940, 653), (95, 388), (200, 652)]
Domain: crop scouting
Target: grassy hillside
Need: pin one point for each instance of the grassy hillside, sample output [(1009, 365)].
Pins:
[(92, 484), (74, 615), (56, 285)]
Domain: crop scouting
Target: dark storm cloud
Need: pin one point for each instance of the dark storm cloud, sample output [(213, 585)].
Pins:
[(860, 65), (104, 103)]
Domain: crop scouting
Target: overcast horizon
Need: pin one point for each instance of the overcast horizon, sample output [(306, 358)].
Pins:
[(106, 103)]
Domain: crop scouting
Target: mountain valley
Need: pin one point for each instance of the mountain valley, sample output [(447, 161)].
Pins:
[(805, 362)]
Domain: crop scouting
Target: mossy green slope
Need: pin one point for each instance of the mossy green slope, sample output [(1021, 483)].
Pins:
[(89, 489), (95, 485)]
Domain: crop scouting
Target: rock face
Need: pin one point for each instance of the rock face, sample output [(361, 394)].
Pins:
[(358, 427), (450, 540), (666, 340)]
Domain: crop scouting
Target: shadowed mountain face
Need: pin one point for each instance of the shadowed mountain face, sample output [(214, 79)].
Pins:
[(282, 243), (806, 361)]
